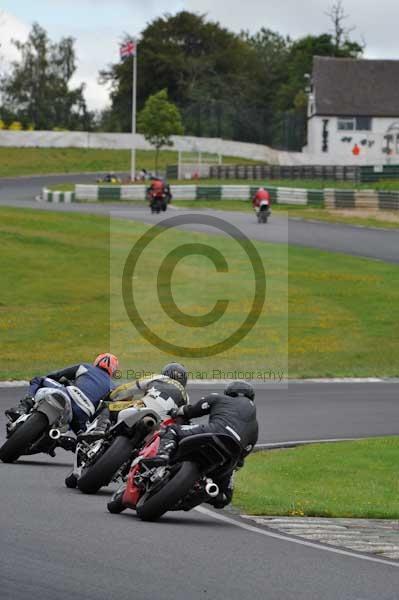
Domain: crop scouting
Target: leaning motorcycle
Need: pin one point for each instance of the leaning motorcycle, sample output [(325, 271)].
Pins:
[(263, 211), (42, 429), (186, 482), (108, 460)]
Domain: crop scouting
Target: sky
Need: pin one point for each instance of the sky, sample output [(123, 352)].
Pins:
[(99, 26)]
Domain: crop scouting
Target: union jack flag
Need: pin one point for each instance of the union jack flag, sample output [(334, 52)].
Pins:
[(128, 49)]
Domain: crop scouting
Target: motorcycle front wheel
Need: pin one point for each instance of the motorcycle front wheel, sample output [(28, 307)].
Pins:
[(21, 440), (102, 471), (152, 507)]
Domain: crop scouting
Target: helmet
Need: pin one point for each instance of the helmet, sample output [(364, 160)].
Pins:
[(176, 371), (240, 388), (107, 362)]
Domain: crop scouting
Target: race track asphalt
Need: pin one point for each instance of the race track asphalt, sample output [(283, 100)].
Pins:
[(58, 543), (357, 241)]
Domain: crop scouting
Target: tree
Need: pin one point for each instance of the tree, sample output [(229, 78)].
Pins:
[(242, 87), (205, 68), (340, 33), (159, 120), (37, 90)]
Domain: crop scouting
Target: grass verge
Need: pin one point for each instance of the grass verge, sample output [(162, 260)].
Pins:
[(371, 218), (40, 161), (55, 301), (347, 479)]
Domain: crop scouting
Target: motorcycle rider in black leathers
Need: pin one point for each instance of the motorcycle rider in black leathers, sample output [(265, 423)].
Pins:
[(232, 413)]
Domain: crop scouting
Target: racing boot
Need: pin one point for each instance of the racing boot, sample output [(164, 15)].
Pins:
[(97, 429), (24, 406), (167, 446)]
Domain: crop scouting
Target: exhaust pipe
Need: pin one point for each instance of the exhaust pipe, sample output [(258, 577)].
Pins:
[(54, 434), (211, 488), (149, 422)]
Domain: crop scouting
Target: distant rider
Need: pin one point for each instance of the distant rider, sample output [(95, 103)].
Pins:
[(260, 196), (232, 413), (159, 189), (84, 386)]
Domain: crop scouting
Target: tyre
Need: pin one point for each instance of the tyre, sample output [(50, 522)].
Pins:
[(20, 441), (101, 472), (176, 488)]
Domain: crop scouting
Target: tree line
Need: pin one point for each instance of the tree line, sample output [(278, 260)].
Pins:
[(247, 87)]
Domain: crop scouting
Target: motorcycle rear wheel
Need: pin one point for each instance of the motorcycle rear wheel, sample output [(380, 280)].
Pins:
[(101, 472), (153, 507), (23, 437)]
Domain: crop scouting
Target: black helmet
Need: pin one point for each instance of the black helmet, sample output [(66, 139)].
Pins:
[(240, 388), (176, 371)]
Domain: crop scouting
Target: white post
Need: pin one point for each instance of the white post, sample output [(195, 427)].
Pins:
[(134, 86)]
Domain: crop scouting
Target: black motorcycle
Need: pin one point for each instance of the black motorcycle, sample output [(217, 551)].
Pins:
[(187, 481), (158, 203), (108, 460), (263, 212)]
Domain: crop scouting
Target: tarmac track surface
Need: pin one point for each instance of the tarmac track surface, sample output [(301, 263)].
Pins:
[(357, 241), (58, 543)]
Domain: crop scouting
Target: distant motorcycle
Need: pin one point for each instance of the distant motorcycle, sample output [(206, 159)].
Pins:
[(184, 483), (44, 428), (158, 203), (159, 196), (263, 211), (108, 460)]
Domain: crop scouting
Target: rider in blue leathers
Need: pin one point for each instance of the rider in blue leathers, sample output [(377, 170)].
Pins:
[(83, 386)]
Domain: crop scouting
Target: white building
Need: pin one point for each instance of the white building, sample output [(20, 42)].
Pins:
[(353, 111)]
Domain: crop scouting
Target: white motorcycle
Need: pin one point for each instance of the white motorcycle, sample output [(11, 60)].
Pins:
[(44, 427)]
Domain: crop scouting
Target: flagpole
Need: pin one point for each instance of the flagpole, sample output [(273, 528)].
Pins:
[(134, 87)]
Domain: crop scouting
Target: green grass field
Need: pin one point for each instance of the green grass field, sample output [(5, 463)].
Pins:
[(350, 479), (342, 319), (382, 219), (38, 161)]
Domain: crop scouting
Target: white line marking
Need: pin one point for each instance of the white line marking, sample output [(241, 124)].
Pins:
[(304, 442), (287, 538)]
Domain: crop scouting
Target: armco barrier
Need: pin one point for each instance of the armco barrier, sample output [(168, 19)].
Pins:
[(279, 195), (330, 198)]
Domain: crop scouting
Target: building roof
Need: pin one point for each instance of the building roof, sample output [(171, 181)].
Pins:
[(352, 87)]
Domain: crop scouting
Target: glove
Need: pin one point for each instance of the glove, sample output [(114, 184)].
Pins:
[(176, 412)]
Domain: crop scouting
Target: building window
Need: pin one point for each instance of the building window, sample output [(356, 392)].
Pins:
[(363, 123), (354, 124), (346, 124)]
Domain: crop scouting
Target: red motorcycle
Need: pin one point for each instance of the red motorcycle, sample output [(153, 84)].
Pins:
[(185, 482)]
